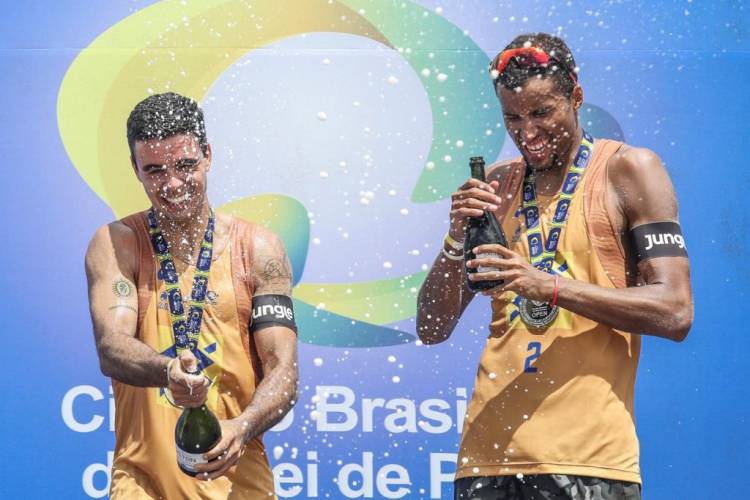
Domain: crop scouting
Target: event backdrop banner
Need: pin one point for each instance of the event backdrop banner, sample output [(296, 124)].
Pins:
[(344, 125)]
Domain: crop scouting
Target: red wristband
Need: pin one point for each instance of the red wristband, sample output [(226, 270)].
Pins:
[(554, 294)]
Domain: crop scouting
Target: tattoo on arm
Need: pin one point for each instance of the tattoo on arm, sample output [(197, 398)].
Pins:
[(123, 289), (276, 269), (273, 274)]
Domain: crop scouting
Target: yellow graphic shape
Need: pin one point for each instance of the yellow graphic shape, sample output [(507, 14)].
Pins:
[(170, 46)]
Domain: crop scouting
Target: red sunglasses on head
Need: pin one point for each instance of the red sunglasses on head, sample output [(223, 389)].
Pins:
[(528, 56)]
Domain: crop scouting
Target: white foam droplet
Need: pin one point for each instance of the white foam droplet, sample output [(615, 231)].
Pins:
[(277, 452), (318, 361), (442, 77)]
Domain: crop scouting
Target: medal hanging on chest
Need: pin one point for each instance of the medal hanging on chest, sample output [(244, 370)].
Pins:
[(534, 313), (185, 329)]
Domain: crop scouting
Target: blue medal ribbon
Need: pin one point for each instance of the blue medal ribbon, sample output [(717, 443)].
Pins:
[(185, 328), (542, 255)]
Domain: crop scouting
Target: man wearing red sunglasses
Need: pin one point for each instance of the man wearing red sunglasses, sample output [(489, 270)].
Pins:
[(595, 259)]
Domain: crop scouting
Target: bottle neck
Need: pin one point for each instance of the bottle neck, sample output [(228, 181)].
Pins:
[(477, 172)]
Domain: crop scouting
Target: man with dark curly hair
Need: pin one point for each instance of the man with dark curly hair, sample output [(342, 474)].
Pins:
[(595, 258), (185, 304)]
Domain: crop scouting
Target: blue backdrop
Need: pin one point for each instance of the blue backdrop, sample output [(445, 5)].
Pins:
[(356, 122)]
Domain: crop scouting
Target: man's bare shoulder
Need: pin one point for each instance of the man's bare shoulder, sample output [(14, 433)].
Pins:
[(642, 186), (267, 243), (113, 243), (632, 164), (115, 234), (500, 170), (261, 239)]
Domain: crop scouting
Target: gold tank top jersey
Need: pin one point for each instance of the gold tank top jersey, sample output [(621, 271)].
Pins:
[(145, 463), (558, 400)]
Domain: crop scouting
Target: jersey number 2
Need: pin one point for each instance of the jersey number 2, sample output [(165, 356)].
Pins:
[(536, 350)]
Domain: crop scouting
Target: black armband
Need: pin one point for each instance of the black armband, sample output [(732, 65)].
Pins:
[(658, 239), (272, 310)]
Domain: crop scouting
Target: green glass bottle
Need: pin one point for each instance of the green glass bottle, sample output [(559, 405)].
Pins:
[(197, 432), (481, 231)]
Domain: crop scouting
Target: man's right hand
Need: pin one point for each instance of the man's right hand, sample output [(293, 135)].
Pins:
[(471, 200), (187, 390)]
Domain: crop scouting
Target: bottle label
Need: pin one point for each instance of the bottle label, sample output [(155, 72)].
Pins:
[(188, 461), (485, 269)]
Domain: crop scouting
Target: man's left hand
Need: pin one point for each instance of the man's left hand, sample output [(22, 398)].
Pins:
[(224, 455), (518, 274)]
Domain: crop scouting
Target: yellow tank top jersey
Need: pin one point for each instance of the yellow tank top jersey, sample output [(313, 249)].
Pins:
[(559, 400), (145, 464)]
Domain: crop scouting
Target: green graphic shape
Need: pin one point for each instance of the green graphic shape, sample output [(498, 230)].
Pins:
[(333, 330)]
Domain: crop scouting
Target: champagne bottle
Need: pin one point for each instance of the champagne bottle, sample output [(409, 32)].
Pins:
[(481, 230), (197, 432)]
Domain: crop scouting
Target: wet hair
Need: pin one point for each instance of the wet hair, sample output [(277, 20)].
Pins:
[(559, 68), (165, 115)]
